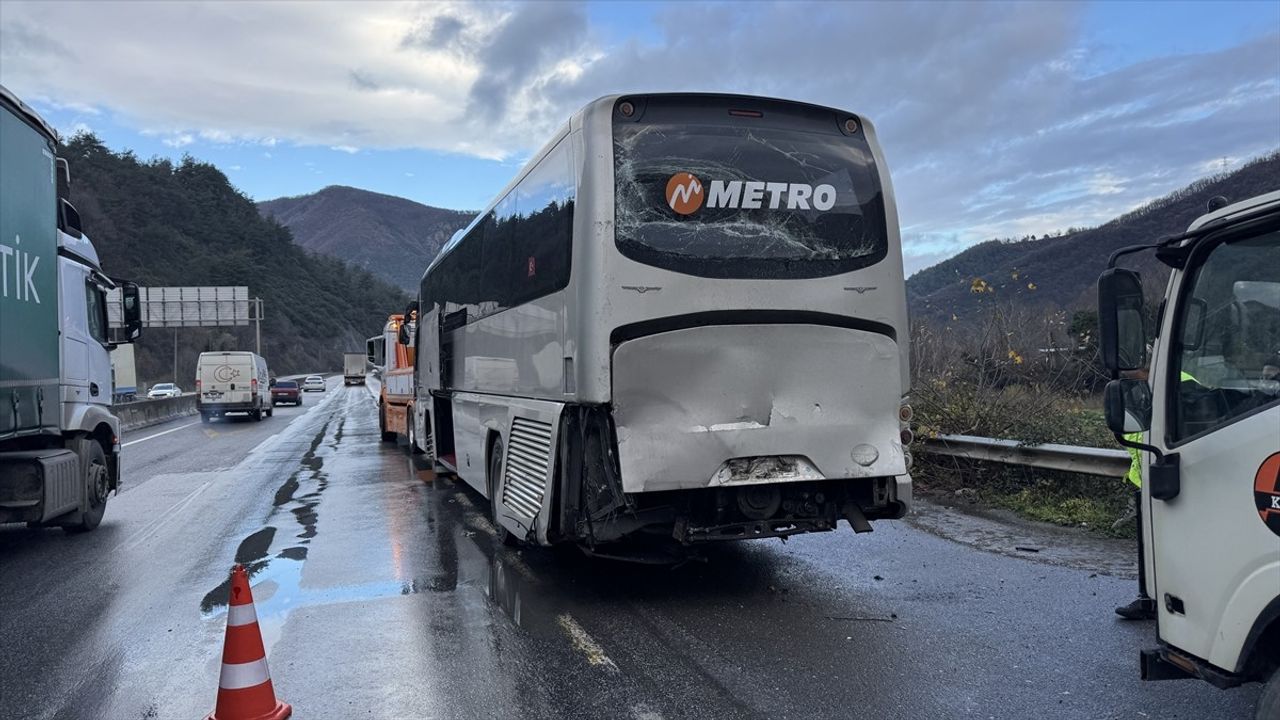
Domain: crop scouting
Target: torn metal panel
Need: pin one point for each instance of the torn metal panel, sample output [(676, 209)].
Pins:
[(689, 401)]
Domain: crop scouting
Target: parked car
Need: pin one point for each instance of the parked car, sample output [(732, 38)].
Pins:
[(228, 382), (164, 390), (313, 382), (286, 391)]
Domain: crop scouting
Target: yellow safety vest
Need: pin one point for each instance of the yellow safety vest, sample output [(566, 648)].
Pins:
[(1135, 466)]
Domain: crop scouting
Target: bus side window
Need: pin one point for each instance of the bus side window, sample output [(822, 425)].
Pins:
[(543, 238)]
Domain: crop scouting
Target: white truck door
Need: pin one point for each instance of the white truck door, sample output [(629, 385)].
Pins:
[(1216, 551)]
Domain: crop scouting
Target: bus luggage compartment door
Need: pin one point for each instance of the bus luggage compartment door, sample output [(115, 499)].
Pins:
[(688, 401)]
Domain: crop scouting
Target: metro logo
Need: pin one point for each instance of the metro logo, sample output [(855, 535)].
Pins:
[(685, 195)]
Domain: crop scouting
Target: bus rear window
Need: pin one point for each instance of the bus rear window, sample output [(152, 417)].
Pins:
[(747, 200)]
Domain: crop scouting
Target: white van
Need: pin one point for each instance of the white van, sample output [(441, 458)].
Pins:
[(230, 382)]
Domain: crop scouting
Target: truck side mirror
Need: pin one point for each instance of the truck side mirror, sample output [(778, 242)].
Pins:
[(132, 307), (1121, 335), (1127, 406)]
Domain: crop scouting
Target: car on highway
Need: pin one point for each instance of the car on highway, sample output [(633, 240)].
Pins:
[(313, 382), (232, 382), (164, 390), (286, 391)]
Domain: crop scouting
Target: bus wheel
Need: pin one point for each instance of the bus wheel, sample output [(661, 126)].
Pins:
[(495, 468), (387, 435), (93, 468), (1269, 700)]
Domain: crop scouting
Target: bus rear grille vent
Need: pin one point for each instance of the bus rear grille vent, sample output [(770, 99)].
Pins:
[(528, 462)]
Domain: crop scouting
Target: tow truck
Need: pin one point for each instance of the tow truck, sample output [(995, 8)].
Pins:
[(1209, 415)]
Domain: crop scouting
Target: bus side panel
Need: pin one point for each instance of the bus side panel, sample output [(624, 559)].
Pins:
[(469, 435), (519, 351), (523, 494)]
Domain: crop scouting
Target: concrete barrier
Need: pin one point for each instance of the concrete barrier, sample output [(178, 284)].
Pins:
[(141, 413)]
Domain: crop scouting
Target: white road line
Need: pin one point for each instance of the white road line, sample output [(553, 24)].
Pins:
[(585, 644), (166, 432)]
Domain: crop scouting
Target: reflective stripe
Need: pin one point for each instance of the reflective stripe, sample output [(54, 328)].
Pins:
[(237, 676), (238, 615)]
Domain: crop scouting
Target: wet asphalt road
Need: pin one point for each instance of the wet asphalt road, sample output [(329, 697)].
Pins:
[(381, 593)]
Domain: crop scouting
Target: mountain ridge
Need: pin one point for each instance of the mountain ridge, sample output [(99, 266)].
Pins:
[(1060, 272), (393, 238)]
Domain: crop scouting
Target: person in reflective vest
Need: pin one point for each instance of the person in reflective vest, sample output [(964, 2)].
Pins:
[(1143, 607)]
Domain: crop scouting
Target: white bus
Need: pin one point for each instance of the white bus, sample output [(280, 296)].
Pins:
[(685, 319)]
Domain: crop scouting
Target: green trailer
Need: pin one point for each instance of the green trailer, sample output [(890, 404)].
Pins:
[(59, 441)]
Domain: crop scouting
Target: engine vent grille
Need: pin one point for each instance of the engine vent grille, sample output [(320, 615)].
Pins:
[(528, 462)]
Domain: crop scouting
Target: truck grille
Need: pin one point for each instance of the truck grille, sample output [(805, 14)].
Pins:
[(528, 461)]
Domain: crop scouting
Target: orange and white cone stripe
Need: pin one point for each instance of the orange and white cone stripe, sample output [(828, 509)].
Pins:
[(244, 687)]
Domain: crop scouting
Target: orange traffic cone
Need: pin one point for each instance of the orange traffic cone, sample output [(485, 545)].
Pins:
[(244, 689)]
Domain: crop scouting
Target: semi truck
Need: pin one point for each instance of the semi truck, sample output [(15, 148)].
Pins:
[(353, 368), (59, 441), (1204, 396)]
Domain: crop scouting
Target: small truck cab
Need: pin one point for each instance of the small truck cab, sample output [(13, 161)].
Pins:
[(1209, 412)]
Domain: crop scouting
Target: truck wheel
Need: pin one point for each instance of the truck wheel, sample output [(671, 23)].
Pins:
[(1269, 700), (93, 468), (387, 435), (495, 468), (256, 415), (204, 418), (271, 411)]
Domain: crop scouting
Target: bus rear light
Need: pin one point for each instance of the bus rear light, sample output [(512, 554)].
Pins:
[(626, 108), (907, 436), (851, 126), (905, 413), (746, 113)]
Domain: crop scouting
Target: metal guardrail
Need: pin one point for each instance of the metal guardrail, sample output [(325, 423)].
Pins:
[(1104, 462)]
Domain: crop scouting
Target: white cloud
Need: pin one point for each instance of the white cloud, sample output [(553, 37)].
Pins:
[(995, 119), (180, 140), (348, 149)]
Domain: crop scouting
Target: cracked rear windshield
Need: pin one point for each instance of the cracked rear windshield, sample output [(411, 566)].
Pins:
[(747, 199)]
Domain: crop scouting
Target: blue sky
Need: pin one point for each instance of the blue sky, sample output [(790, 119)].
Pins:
[(998, 120)]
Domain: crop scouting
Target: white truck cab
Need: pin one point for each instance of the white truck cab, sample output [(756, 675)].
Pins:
[(1210, 411)]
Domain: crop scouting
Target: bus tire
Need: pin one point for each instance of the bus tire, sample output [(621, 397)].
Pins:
[(495, 469), (93, 469), (1269, 700), (387, 435)]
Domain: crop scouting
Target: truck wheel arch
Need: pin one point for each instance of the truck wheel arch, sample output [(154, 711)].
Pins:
[(1260, 656)]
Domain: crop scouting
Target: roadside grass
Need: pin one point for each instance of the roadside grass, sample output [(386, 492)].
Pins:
[(1069, 499)]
